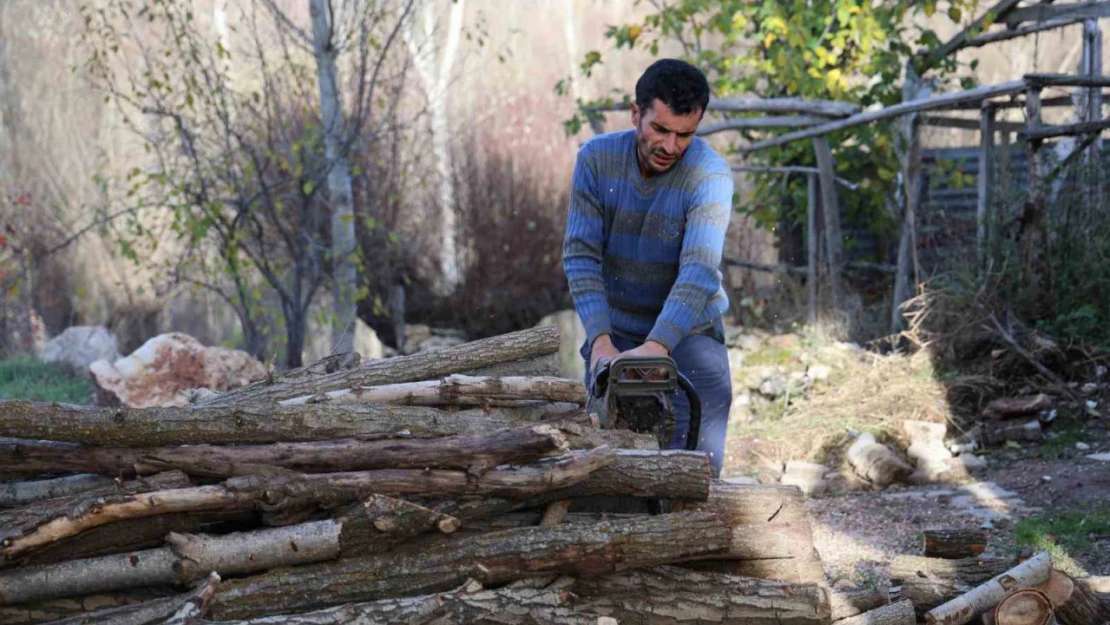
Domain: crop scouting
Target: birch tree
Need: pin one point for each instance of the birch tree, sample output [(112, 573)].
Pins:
[(434, 64)]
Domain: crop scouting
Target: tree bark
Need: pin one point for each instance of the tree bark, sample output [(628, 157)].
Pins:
[(997, 433), (830, 210), (847, 603), (1073, 602), (668, 595), (475, 454), (281, 491), (587, 551), (60, 609), (806, 569), (16, 494), (754, 504), (1008, 407), (17, 520), (900, 613), (151, 427), (458, 390), (954, 544), (929, 582), (159, 611), (972, 604), (1024, 607), (546, 365), (444, 362)]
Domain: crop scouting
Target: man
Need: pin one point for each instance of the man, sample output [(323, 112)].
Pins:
[(645, 232)]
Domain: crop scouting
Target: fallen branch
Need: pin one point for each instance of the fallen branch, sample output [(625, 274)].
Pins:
[(846, 603), (953, 544), (900, 613), (159, 611), (15, 494)]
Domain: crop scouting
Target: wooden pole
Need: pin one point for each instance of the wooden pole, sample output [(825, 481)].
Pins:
[(906, 275), (1091, 65), (830, 210), (986, 182), (1033, 241), (811, 244)]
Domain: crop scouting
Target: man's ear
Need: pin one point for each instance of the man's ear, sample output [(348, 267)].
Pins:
[(635, 115)]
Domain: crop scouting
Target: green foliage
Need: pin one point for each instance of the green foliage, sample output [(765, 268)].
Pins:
[(1063, 535), (24, 377), (845, 50)]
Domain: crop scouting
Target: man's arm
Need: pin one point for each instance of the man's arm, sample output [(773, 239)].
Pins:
[(583, 249), (702, 245)]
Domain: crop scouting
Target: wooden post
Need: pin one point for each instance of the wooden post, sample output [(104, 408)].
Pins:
[(986, 182), (1091, 102), (906, 275), (812, 235), (830, 209), (1033, 234)]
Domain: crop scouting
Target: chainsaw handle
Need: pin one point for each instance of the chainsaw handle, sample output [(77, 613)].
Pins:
[(693, 430)]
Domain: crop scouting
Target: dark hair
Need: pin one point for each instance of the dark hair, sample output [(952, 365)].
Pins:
[(679, 85)]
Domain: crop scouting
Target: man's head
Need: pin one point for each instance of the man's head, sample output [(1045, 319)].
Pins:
[(671, 97)]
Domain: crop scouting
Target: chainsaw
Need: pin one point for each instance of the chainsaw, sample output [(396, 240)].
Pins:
[(632, 393)]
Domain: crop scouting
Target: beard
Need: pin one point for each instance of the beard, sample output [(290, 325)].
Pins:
[(653, 160)]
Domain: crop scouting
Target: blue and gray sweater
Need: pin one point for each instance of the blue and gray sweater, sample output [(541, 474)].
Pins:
[(642, 256)]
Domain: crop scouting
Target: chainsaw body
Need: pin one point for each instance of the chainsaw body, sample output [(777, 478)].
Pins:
[(632, 393)]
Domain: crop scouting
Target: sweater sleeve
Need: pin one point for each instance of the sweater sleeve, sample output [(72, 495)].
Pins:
[(699, 261), (583, 249)]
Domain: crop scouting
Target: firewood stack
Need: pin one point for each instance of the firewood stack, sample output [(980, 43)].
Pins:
[(418, 489)]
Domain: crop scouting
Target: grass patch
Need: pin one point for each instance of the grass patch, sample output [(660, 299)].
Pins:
[(1063, 534), (24, 377), (1066, 431)]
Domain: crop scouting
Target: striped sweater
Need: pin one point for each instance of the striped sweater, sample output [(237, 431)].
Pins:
[(642, 256)]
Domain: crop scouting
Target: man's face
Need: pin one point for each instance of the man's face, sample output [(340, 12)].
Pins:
[(662, 136)]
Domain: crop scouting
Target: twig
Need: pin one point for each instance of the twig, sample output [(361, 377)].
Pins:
[(1043, 370)]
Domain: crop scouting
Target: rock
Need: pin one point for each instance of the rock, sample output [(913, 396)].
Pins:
[(366, 342), (571, 337), (735, 360), (844, 584), (415, 335), (741, 479), (158, 373), (437, 343), (784, 341), (1082, 446), (733, 335), (1009, 407), (819, 372), (807, 476), (740, 410), (773, 384), (1104, 457), (749, 342), (80, 346), (987, 525), (971, 462), (925, 432)]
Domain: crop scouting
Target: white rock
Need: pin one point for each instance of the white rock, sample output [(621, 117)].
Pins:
[(987, 525), (79, 346), (735, 359), (1103, 457), (1082, 446), (1046, 478), (971, 462), (807, 476), (819, 372), (749, 342)]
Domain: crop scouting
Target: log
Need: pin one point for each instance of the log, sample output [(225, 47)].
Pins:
[(17, 520), (954, 544), (469, 603), (799, 570), (152, 427), (457, 390), (154, 612), (580, 436), (473, 355), (586, 551), (929, 582), (666, 595), (372, 526), (972, 604), (282, 491), (1024, 607), (996, 433), (846, 603), (19, 493), (59, 609), (473, 453), (1009, 407), (546, 365), (754, 504), (1074, 603), (876, 463), (900, 613)]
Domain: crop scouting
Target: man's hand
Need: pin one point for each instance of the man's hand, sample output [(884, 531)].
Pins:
[(602, 348), (651, 348)]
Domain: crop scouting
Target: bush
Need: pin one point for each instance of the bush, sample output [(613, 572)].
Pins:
[(24, 377)]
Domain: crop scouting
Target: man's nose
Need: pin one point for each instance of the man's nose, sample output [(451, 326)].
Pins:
[(670, 143)]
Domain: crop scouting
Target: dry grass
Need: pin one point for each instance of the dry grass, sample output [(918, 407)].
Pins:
[(867, 392)]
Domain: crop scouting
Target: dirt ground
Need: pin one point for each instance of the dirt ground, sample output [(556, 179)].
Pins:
[(1030, 497)]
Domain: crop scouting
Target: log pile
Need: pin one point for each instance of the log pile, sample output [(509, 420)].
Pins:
[(409, 490)]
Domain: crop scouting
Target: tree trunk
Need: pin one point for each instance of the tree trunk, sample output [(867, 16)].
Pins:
[(972, 604), (157, 612), (1032, 231), (15, 494), (1024, 607), (900, 613), (280, 492), (905, 278), (474, 454), (78, 607), (929, 582), (847, 603), (17, 520), (1073, 602), (459, 390), (537, 366), (754, 504), (668, 595), (340, 195), (152, 427), (830, 209), (800, 570), (587, 551), (954, 544), (469, 356)]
